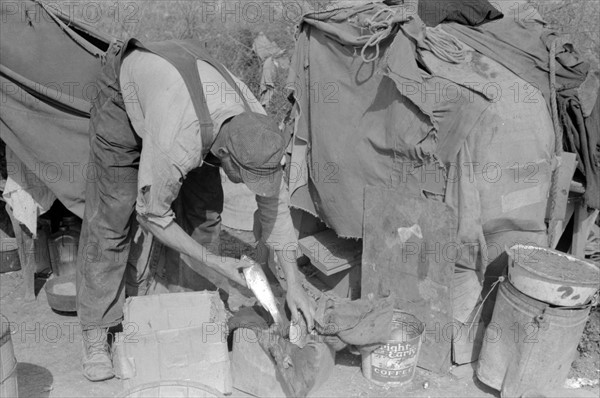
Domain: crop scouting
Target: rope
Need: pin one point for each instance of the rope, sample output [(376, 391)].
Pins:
[(500, 279), (558, 143), (445, 46), (380, 30)]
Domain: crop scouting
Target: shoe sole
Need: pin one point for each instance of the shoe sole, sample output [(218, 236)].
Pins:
[(108, 377)]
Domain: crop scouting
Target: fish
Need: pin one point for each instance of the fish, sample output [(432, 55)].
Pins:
[(258, 283)]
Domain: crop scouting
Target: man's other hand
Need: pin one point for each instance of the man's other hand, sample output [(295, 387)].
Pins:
[(297, 299)]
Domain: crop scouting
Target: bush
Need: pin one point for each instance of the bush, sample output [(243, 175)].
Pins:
[(228, 27), (577, 19)]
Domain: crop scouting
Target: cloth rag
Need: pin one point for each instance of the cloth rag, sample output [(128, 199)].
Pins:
[(361, 322)]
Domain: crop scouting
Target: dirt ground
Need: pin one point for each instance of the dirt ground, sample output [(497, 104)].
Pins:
[(48, 348)]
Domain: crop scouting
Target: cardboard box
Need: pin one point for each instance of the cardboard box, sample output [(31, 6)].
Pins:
[(176, 336)]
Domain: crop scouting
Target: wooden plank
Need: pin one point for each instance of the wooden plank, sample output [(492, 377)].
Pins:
[(568, 162), (577, 187), (408, 245), (582, 223), (330, 253), (344, 284), (26, 245), (561, 225)]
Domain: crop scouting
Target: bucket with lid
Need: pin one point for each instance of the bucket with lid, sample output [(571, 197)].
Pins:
[(551, 276), (529, 345)]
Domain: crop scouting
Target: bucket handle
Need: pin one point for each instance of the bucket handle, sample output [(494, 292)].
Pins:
[(499, 280)]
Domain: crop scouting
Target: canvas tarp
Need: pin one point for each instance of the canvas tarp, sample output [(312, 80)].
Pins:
[(47, 81), (48, 77), (369, 123), (463, 133), (522, 43)]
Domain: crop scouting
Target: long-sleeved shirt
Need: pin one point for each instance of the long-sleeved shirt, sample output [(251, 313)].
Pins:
[(161, 112)]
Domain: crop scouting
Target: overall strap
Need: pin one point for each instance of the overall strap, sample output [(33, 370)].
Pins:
[(202, 55), (183, 54)]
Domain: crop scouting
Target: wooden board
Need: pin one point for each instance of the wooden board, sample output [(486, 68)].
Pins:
[(566, 170), (330, 253), (408, 245)]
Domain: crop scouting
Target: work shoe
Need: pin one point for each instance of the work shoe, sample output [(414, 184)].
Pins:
[(97, 364)]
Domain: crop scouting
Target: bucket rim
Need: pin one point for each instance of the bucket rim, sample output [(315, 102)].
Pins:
[(579, 283), (517, 296), (171, 383)]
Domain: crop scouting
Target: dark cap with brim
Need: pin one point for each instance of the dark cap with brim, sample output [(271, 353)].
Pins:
[(256, 146), (267, 184)]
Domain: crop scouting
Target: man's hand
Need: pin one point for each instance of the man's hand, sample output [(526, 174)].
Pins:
[(231, 268), (297, 299)]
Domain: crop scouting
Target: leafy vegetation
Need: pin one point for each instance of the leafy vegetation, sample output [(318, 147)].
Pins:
[(577, 19), (228, 27)]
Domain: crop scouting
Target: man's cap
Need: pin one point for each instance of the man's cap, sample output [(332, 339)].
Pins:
[(257, 146)]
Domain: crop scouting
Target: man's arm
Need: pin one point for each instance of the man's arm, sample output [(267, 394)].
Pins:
[(277, 231), (177, 239)]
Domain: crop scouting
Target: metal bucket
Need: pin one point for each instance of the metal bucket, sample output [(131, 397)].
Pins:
[(552, 276), (8, 362), (529, 345), (394, 364)]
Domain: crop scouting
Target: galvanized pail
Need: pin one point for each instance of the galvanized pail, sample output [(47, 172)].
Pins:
[(529, 345)]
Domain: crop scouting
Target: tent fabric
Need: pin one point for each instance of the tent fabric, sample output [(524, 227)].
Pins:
[(499, 177), (45, 104), (52, 143), (582, 136), (521, 43), (368, 123), (44, 117)]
